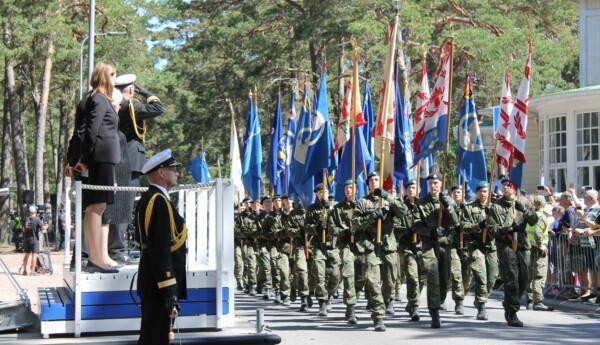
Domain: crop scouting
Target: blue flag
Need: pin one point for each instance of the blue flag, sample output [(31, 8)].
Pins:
[(367, 129), (276, 160), (303, 187), (403, 154), (344, 171), (320, 144), (471, 157), (426, 167), (199, 169), (290, 139), (252, 160)]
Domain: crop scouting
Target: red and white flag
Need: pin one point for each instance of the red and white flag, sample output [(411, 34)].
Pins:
[(351, 109), (518, 126), (504, 146), (423, 96)]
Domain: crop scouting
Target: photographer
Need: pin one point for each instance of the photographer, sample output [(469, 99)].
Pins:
[(31, 238)]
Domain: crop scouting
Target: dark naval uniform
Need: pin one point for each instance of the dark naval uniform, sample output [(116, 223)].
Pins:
[(162, 275)]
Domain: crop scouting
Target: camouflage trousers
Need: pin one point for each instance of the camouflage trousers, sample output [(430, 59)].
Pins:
[(413, 269), (537, 280), (389, 275), (249, 265), (375, 303), (514, 272), (301, 272), (348, 276), (265, 278), (238, 268)]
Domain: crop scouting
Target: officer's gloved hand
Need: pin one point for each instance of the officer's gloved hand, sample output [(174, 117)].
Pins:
[(143, 92), (444, 199), (519, 206), (482, 224), (169, 297), (381, 193), (323, 225), (440, 231), (378, 213)]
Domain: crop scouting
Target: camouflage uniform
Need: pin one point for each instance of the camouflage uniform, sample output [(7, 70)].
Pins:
[(238, 242), (316, 224), (280, 250), (249, 234), (436, 245), (295, 225), (508, 218), (538, 237), (265, 278)]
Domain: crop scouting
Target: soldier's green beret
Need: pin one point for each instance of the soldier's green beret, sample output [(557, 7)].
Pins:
[(481, 185), (318, 188), (348, 182)]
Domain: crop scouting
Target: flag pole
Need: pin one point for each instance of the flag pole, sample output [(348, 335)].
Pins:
[(354, 84), (451, 40), (383, 109)]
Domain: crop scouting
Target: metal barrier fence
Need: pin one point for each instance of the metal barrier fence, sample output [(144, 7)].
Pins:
[(569, 259)]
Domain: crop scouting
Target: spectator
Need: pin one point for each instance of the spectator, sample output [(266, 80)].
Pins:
[(585, 245), (568, 222), (31, 239)]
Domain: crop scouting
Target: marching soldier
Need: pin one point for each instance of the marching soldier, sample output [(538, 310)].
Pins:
[(510, 217), (238, 242), (295, 224), (162, 234), (279, 251), (436, 238), (288, 238), (265, 277), (249, 234), (474, 224), (457, 257), (317, 226), (538, 238), (409, 248), (364, 226), (341, 222)]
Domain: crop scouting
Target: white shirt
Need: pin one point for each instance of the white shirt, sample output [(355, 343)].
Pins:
[(163, 190)]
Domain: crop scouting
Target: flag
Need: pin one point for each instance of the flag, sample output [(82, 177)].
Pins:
[(423, 96), (351, 101), (426, 168), (383, 133), (403, 155), (436, 115), (518, 126), (236, 164), (290, 138), (303, 187), (276, 160), (360, 150), (367, 129), (199, 169), (471, 157), (504, 147), (320, 144), (251, 164)]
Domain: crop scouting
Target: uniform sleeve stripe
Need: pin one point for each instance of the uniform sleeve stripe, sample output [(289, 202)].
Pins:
[(166, 283)]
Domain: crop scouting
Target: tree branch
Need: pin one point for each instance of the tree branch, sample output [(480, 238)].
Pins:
[(296, 5)]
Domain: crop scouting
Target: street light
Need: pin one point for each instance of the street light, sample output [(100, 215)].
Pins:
[(110, 33)]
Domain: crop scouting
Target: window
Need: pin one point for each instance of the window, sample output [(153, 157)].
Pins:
[(542, 148), (558, 179), (588, 147), (557, 134), (583, 176)]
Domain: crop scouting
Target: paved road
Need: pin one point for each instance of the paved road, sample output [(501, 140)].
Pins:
[(558, 327)]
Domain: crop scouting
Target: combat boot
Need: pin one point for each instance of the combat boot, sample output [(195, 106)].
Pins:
[(351, 315), (276, 297), (240, 285), (303, 304), (252, 290), (458, 308), (379, 325), (309, 301), (328, 303), (322, 308), (443, 306), (481, 312), (286, 302), (293, 295), (435, 318), (267, 296), (413, 312), (390, 309), (513, 320)]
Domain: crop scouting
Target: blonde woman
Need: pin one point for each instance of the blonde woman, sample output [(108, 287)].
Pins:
[(100, 152)]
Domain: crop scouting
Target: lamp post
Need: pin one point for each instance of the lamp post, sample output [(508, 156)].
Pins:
[(110, 33)]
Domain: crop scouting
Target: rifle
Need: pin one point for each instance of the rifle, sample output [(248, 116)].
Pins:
[(513, 237), (305, 245)]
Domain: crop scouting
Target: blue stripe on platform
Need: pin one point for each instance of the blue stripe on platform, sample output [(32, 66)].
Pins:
[(55, 304)]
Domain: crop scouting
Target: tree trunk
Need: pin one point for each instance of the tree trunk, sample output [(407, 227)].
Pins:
[(41, 127), (6, 174), (16, 123), (67, 122)]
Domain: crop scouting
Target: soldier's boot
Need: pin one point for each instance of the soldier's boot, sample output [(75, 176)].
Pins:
[(309, 301), (351, 315), (303, 303), (276, 297), (286, 302), (458, 308), (542, 307), (379, 325), (413, 312), (529, 305), (390, 309), (267, 296), (329, 302), (443, 306), (322, 308), (293, 295), (252, 290), (513, 320), (435, 318), (240, 285), (481, 312)]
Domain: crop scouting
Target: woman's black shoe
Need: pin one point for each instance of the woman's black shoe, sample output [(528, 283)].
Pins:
[(93, 268)]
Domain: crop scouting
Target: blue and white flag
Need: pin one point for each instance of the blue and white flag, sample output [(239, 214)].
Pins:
[(403, 154), (303, 187), (290, 139), (276, 161), (471, 157), (367, 129), (252, 160)]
